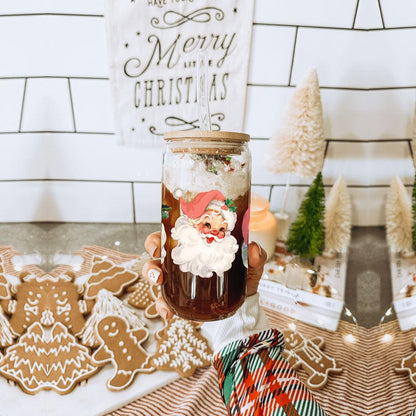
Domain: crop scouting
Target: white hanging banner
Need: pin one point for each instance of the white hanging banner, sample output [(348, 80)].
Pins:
[(153, 47)]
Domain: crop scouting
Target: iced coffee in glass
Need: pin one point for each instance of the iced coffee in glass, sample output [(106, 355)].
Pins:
[(205, 217)]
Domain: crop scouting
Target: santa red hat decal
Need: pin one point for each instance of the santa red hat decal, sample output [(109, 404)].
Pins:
[(199, 204), (214, 200)]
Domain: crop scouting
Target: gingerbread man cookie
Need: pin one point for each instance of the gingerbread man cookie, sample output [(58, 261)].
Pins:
[(143, 296), (181, 348), (47, 360), (107, 304), (122, 348), (306, 353), (105, 274), (408, 365)]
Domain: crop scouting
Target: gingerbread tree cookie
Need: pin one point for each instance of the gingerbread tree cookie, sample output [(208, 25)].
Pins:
[(181, 348), (107, 304), (43, 360), (143, 295), (6, 334), (306, 353), (105, 274), (121, 346), (408, 365)]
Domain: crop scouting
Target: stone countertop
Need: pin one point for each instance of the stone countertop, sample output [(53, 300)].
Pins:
[(368, 287)]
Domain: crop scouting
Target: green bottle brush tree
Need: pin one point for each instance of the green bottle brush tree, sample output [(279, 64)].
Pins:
[(307, 233)]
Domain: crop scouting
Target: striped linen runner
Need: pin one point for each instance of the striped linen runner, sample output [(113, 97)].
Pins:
[(367, 386)]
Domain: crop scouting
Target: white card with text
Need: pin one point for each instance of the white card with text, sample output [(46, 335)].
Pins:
[(153, 47)]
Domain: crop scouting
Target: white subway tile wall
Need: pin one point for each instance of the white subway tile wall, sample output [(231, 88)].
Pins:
[(53, 45), (260, 175), (47, 105), (66, 201), (90, 201), (98, 157), (90, 7), (398, 13), (11, 99), (147, 196), (93, 111), (392, 51), (348, 113), (333, 13), (340, 56), (272, 67), (24, 158), (366, 164), (27, 201), (368, 15), (56, 112)]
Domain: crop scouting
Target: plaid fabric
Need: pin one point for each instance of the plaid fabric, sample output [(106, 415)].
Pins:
[(255, 380)]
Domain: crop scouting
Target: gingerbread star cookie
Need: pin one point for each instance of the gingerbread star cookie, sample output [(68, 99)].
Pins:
[(143, 295), (306, 353), (122, 347), (43, 360), (181, 348), (105, 274)]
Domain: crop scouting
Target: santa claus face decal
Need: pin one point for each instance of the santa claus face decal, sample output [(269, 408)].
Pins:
[(203, 231), (212, 226)]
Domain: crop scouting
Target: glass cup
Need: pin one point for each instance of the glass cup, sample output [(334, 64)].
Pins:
[(205, 218)]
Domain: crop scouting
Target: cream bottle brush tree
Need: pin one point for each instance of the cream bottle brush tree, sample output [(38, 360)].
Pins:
[(298, 145), (399, 218), (337, 219)]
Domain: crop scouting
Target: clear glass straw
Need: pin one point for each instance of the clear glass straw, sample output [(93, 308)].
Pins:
[(202, 91), (203, 112)]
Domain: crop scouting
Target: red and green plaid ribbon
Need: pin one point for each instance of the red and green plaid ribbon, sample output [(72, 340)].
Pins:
[(255, 380)]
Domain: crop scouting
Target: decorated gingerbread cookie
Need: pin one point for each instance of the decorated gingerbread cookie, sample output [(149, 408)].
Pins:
[(143, 295), (105, 274), (6, 333), (408, 365), (107, 304), (306, 353), (133, 262), (122, 347), (45, 299), (181, 348), (47, 360), (4, 283)]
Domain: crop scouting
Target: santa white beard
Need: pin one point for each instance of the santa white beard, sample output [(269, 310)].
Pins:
[(194, 255)]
